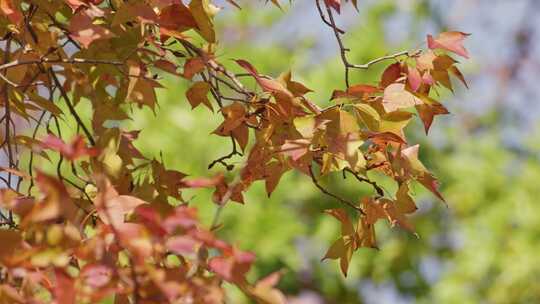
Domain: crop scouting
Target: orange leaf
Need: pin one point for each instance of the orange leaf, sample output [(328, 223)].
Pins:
[(197, 94), (11, 12)]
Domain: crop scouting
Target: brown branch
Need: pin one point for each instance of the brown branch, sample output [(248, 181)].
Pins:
[(318, 4), (72, 109), (215, 66), (15, 63), (8, 122), (31, 160), (222, 159), (367, 65), (378, 189), (343, 50), (323, 190)]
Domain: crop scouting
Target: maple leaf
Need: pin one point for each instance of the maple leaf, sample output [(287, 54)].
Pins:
[(390, 75), (235, 115), (395, 215), (224, 192), (56, 204), (11, 12), (335, 4), (372, 209), (176, 18), (296, 148), (419, 171), (74, 150), (450, 41), (96, 275), (109, 225), (182, 245), (202, 182), (166, 66), (83, 30), (197, 94), (357, 91), (396, 97), (296, 88), (414, 78), (269, 85), (404, 202), (75, 4), (395, 122), (368, 115), (428, 111), (112, 207), (272, 174), (343, 247), (64, 290), (266, 291), (199, 10), (193, 66), (233, 265)]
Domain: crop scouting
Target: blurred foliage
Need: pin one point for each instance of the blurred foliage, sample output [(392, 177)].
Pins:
[(481, 249)]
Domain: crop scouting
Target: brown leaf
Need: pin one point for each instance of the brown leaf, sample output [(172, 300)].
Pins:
[(428, 111), (395, 215), (166, 66), (84, 31), (234, 117), (373, 210), (341, 249), (176, 18), (193, 66), (197, 94), (404, 202), (346, 225), (456, 72), (268, 85)]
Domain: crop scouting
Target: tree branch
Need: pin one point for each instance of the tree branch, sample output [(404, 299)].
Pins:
[(323, 190), (72, 109)]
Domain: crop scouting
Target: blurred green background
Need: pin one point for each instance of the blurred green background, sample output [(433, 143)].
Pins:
[(483, 248)]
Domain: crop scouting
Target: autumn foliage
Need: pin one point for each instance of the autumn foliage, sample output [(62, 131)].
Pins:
[(117, 225)]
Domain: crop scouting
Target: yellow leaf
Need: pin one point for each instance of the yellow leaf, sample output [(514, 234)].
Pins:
[(201, 12)]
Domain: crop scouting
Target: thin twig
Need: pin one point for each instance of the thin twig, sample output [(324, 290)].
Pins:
[(378, 189), (15, 63), (72, 109), (222, 159), (343, 50), (323, 190)]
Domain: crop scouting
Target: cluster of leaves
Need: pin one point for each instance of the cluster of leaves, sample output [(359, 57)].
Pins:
[(117, 223)]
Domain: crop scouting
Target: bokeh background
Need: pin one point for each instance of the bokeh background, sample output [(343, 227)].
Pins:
[(483, 248)]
